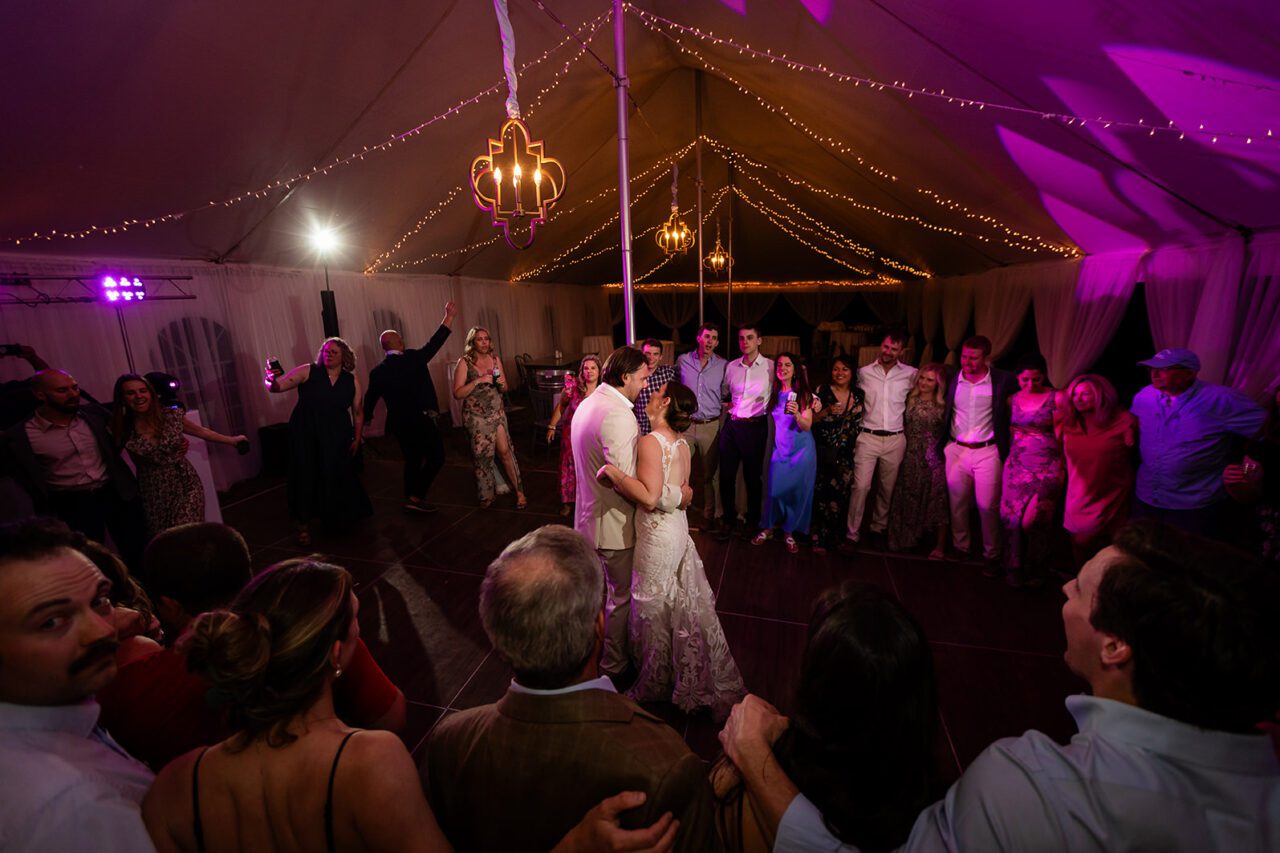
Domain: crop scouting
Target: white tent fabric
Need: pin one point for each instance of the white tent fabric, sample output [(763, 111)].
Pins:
[(1076, 315), (1001, 298)]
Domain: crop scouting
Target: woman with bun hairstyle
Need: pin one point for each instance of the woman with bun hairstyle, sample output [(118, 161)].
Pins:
[(675, 634), (293, 774)]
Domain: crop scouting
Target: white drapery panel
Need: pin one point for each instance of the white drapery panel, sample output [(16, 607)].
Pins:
[(1255, 366), (887, 304), (1000, 301), (747, 308), (1079, 305), (217, 343), (913, 307), (672, 308), (819, 306), (957, 310), (1192, 297), (931, 318)]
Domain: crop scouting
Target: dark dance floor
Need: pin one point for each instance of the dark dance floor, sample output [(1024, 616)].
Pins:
[(998, 651)]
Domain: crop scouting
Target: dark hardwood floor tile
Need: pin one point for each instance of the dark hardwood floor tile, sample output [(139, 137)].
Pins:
[(768, 654), (764, 580)]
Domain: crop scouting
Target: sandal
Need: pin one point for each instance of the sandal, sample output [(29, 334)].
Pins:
[(762, 537), (521, 501), (792, 547)]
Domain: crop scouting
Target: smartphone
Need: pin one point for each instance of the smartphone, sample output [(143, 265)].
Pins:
[(276, 367)]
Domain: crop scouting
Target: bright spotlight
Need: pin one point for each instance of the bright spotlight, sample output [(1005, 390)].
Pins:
[(324, 240)]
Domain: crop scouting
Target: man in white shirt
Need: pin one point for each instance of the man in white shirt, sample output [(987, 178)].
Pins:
[(1176, 636), (748, 383), (976, 442), (881, 442), (703, 372), (64, 783)]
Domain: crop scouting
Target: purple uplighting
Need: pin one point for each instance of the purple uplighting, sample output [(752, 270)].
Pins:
[(122, 289)]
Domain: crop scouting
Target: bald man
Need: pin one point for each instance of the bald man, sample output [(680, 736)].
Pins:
[(70, 467), (403, 380)]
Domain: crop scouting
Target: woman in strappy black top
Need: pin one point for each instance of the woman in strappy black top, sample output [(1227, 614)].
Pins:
[(294, 776)]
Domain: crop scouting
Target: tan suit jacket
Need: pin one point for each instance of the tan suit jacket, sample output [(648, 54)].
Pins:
[(520, 774), (604, 430)]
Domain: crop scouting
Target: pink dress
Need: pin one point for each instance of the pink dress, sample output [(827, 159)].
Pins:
[(1099, 476), (568, 478)]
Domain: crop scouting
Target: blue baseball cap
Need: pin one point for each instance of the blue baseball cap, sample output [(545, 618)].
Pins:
[(1173, 358)]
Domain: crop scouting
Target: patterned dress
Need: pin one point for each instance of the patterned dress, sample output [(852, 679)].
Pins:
[(568, 477), (1034, 470), (836, 433), (919, 502), (483, 414), (675, 633), (324, 481), (172, 493)]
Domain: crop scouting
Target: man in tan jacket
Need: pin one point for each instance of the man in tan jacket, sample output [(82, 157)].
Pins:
[(518, 774)]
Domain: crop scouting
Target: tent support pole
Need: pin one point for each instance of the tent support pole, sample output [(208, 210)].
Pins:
[(622, 85), (728, 314), (697, 118)]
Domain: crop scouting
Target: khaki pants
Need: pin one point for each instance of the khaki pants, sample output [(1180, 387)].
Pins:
[(975, 473), (617, 608), (874, 451), (704, 440)]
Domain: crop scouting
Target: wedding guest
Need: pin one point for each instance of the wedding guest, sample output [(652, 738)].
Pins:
[(1033, 479), (859, 741), (172, 492), (404, 381), (748, 385), (793, 465), (835, 431), (576, 389), (64, 458), (703, 370), (920, 499), (1098, 441), (881, 443), (326, 430), (977, 442), (1255, 483), (1186, 430), (292, 768), (659, 374), (674, 631), (478, 382)]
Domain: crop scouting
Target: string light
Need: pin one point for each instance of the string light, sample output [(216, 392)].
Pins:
[(313, 172), (658, 22), (789, 286)]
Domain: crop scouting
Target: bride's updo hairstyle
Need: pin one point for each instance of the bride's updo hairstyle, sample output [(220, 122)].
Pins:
[(268, 655), (683, 404)]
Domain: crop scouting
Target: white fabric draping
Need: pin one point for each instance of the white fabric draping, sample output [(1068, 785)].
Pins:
[(957, 310), (1079, 305), (913, 308), (217, 343), (930, 317), (671, 308), (1001, 298), (887, 304), (1255, 365), (1192, 294), (747, 308), (819, 306)]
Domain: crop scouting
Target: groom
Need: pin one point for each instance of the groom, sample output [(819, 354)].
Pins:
[(605, 430)]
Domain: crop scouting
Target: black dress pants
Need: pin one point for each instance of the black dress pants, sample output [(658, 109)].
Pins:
[(743, 442), (94, 512), (423, 450)]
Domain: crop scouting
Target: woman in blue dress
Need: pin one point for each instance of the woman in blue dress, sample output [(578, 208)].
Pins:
[(793, 466)]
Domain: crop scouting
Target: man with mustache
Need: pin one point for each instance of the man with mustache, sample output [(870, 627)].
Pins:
[(64, 783)]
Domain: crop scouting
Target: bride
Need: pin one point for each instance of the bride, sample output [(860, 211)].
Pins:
[(684, 657)]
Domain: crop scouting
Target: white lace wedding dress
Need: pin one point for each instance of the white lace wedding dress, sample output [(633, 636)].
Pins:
[(675, 633)]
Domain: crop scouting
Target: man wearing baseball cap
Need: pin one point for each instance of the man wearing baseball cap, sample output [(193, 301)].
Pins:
[(1186, 428)]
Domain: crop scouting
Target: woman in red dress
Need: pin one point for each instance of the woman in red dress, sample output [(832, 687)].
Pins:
[(576, 389)]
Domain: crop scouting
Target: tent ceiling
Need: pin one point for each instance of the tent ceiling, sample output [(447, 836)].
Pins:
[(131, 109)]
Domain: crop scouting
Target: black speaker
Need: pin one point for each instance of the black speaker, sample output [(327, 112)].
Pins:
[(329, 314)]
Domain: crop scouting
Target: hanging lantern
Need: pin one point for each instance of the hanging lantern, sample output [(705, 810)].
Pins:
[(674, 237), (718, 260), (516, 184)]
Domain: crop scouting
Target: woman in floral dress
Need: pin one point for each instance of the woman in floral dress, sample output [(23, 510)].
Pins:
[(1034, 478), (479, 383), (920, 495), (576, 389), (171, 490), (835, 429)]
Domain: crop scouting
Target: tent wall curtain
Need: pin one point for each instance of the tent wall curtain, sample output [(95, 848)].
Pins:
[(887, 304), (913, 308), (748, 308), (1079, 305), (1001, 298), (1255, 365), (819, 306), (1192, 296), (217, 343), (931, 319), (957, 310), (672, 308)]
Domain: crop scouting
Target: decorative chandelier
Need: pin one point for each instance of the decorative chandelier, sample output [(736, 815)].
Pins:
[(515, 182), (718, 260), (674, 237)]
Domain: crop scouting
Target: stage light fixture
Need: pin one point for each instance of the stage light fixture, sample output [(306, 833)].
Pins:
[(117, 289)]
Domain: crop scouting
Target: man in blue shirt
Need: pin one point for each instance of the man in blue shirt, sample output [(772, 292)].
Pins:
[(1185, 432), (703, 371)]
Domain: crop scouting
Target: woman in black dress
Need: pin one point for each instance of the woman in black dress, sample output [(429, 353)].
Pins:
[(835, 429), (326, 430)]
